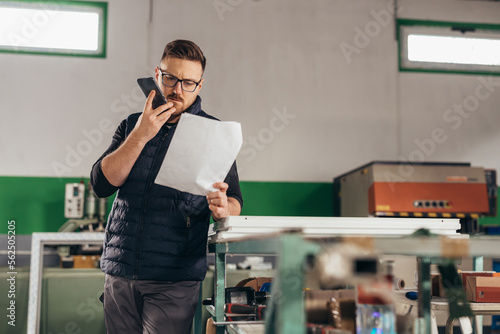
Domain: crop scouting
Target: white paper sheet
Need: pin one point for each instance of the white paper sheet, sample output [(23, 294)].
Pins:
[(201, 153)]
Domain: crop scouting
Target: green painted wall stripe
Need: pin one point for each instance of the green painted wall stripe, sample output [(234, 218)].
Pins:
[(287, 199), (37, 203)]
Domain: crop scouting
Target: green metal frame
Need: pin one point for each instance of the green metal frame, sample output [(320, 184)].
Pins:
[(425, 292), (103, 6), (220, 250), (286, 312), (466, 25)]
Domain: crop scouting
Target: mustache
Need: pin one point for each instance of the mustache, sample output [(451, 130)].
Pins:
[(175, 97)]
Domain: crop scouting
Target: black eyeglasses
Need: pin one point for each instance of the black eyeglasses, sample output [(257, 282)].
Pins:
[(186, 85)]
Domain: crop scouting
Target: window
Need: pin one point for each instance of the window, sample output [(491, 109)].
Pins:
[(449, 47), (74, 28)]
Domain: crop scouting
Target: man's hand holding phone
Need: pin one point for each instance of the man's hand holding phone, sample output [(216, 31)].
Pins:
[(117, 165), (151, 120)]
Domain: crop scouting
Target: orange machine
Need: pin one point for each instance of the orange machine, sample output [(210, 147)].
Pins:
[(388, 188)]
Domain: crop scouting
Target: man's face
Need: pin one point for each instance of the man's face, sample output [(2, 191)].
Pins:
[(182, 69)]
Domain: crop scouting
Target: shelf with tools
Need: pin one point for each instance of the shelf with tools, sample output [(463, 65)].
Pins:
[(440, 304), (286, 309)]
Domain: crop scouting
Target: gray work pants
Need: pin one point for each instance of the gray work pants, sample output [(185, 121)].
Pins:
[(149, 307)]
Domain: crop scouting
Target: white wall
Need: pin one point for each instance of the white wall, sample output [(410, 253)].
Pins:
[(48, 102), (309, 110)]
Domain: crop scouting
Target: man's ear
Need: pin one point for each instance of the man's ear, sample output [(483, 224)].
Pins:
[(158, 75), (200, 84)]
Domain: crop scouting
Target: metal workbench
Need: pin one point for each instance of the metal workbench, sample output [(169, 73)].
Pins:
[(286, 311)]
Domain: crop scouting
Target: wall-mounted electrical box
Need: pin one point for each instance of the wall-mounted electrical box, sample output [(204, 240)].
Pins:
[(74, 200)]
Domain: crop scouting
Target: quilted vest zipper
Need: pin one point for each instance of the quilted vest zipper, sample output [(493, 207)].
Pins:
[(188, 226), (144, 206)]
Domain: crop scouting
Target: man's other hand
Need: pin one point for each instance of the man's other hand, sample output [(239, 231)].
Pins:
[(218, 202)]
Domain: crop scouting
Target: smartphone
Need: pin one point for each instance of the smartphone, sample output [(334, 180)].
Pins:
[(147, 85)]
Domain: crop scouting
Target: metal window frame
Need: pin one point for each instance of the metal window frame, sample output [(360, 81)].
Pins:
[(38, 241), (406, 65), (102, 10)]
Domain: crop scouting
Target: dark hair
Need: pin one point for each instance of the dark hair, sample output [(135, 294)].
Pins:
[(184, 49)]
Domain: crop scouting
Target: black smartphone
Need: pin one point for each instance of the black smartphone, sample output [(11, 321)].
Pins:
[(147, 85)]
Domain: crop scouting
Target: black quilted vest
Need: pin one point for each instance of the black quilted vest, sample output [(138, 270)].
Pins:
[(156, 232)]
